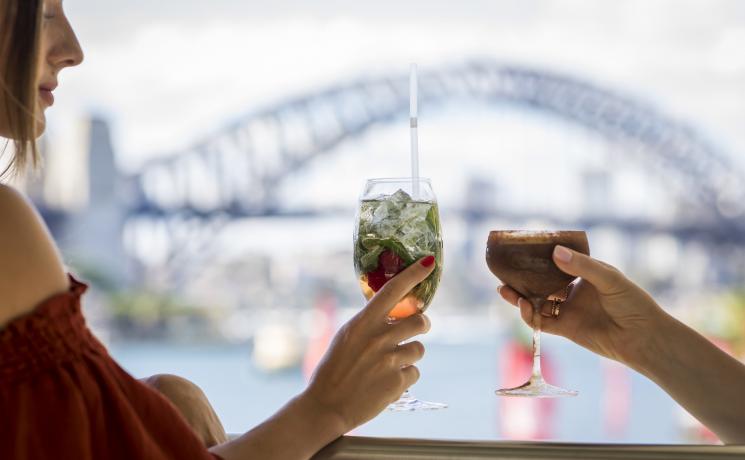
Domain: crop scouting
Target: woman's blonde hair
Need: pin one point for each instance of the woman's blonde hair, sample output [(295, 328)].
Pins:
[(20, 24)]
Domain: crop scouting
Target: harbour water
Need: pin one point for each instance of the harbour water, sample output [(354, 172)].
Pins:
[(464, 375)]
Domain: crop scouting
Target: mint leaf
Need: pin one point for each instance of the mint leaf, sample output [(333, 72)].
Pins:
[(370, 242), (369, 261), (432, 219)]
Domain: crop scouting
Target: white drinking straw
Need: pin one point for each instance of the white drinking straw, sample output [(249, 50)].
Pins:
[(413, 126)]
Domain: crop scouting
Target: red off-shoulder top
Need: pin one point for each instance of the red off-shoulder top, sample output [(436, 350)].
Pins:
[(62, 396)]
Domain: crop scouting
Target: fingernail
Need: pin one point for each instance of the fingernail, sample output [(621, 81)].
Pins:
[(521, 302), (562, 254), (428, 261), (499, 289)]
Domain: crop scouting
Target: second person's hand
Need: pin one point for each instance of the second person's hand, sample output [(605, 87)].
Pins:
[(605, 312)]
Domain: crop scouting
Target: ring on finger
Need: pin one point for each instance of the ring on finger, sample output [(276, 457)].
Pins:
[(556, 303), (555, 309)]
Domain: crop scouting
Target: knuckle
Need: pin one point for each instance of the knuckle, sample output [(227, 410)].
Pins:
[(528, 318), (401, 380), (427, 323), (418, 349), (415, 374), (397, 284), (390, 360), (381, 342), (419, 323), (612, 278), (387, 295), (614, 274)]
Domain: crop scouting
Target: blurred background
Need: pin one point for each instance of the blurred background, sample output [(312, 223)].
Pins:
[(203, 168)]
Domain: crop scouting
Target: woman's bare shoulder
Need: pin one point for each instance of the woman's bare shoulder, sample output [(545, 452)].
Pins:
[(31, 269)]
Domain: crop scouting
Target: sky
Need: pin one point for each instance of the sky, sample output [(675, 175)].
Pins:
[(167, 73), (192, 63)]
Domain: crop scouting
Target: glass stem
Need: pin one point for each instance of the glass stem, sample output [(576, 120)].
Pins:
[(536, 377)]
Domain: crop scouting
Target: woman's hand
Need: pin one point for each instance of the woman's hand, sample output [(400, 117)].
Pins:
[(605, 312), (365, 369)]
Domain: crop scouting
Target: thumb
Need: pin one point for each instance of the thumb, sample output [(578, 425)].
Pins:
[(604, 277)]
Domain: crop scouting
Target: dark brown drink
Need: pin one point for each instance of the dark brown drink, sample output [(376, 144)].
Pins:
[(523, 260)]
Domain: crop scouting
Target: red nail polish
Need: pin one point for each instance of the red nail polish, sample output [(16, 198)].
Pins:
[(428, 261)]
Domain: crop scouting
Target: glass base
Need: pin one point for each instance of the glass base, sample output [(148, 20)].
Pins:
[(536, 388), (409, 403)]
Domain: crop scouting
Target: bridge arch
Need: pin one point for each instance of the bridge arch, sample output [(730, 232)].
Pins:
[(236, 170)]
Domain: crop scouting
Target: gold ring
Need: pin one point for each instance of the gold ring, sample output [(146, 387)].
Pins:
[(556, 308)]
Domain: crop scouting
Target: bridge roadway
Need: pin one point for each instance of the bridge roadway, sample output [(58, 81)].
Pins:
[(710, 233)]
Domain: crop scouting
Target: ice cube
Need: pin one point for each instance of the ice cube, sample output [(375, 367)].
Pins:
[(381, 212), (400, 198), (414, 213), (366, 212)]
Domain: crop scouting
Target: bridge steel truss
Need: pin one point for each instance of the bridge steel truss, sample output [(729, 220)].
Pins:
[(237, 171)]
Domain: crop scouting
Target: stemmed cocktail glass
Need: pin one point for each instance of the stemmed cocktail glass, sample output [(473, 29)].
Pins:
[(397, 224), (523, 260)]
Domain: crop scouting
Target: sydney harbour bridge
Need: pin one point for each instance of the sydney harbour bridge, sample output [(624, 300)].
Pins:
[(237, 171)]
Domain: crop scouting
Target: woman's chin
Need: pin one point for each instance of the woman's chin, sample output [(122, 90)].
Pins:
[(41, 124)]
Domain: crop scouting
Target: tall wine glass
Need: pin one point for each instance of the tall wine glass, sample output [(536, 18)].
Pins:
[(523, 260), (397, 224)]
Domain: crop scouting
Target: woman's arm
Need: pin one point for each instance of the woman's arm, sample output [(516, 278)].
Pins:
[(703, 379), (609, 315), (31, 269), (363, 371), (297, 431)]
